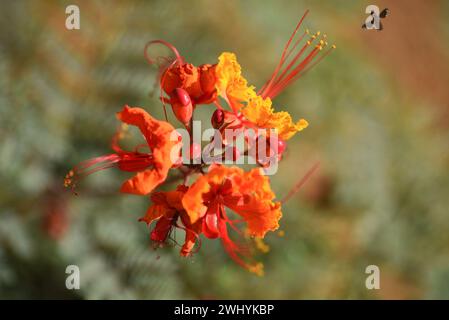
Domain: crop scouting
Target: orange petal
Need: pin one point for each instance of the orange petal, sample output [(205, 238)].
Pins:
[(207, 81), (174, 198), (192, 235), (193, 199), (230, 84), (258, 209), (156, 211), (157, 134)]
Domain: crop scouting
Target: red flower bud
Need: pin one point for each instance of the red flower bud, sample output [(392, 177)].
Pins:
[(183, 96), (217, 118), (210, 225), (182, 106), (282, 145)]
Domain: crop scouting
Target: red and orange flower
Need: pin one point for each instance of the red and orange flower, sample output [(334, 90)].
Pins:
[(223, 201), (247, 194), (151, 167)]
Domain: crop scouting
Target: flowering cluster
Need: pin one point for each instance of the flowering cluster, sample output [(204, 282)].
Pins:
[(223, 199)]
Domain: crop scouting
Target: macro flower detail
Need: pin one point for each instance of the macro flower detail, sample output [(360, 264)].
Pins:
[(213, 200), (152, 167), (248, 194), (198, 82)]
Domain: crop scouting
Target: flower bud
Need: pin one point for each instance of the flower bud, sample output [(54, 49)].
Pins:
[(210, 225), (217, 118), (282, 145), (182, 106), (183, 96)]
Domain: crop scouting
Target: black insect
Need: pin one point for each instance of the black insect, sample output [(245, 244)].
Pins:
[(383, 14)]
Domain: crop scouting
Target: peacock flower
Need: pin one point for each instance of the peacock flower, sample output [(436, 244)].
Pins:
[(167, 209), (254, 109), (224, 201), (151, 167), (259, 111), (248, 194), (185, 84), (198, 82)]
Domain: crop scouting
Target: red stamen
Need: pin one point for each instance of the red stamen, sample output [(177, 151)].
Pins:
[(197, 236), (300, 183), (266, 88), (135, 162), (235, 251), (283, 83), (291, 73), (168, 45), (289, 66), (126, 161), (161, 88), (296, 44), (314, 63), (88, 167), (161, 74)]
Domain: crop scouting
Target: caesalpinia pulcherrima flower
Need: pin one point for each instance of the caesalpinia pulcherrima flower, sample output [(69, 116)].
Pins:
[(151, 167), (223, 200), (248, 194), (167, 209)]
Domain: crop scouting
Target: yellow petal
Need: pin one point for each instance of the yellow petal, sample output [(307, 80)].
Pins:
[(260, 112), (231, 85)]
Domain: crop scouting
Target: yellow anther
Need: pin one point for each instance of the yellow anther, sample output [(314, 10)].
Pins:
[(334, 46), (318, 33), (307, 31), (257, 269), (67, 182), (261, 245), (308, 43)]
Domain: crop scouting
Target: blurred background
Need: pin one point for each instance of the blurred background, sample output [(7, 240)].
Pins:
[(378, 109)]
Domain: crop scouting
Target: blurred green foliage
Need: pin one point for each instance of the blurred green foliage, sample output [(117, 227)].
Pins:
[(379, 198)]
